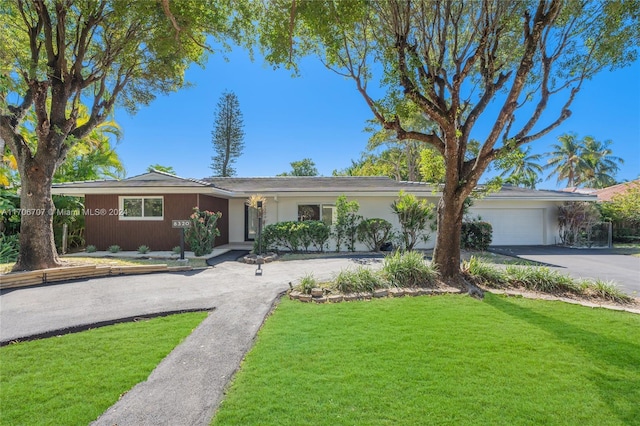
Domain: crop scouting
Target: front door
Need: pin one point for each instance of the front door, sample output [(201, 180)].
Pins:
[(250, 223)]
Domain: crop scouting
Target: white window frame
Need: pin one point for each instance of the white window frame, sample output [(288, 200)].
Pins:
[(320, 206), (121, 199)]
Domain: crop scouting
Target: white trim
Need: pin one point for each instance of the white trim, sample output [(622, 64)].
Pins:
[(121, 199)]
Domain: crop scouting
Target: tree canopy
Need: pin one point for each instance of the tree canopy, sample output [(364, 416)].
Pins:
[(227, 136), (459, 63), (304, 167), (58, 55)]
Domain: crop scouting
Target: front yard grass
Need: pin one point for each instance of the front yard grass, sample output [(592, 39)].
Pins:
[(72, 379), (440, 360)]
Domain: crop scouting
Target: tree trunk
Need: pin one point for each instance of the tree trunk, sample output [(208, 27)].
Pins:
[(446, 254), (37, 245)]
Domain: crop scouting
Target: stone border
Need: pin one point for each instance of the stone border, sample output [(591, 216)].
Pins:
[(254, 259), (319, 295)]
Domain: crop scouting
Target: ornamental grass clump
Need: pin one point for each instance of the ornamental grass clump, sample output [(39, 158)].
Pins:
[(542, 279), (409, 269), (307, 283), (359, 280), (487, 274), (607, 290), (203, 231)]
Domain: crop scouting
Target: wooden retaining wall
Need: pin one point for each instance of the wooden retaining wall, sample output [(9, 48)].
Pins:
[(43, 276)]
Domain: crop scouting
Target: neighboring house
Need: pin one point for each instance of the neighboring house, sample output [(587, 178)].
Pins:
[(139, 210), (606, 194)]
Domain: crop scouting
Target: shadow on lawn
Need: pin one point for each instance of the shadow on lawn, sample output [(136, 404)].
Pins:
[(620, 389)]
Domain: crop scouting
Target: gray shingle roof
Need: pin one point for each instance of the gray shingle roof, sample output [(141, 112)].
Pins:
[(314, 184), (242, 186)]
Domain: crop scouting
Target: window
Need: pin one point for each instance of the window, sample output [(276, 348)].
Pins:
[(141, 208), (323, 212)]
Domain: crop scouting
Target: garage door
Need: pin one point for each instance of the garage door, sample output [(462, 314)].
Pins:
[(512, 227)]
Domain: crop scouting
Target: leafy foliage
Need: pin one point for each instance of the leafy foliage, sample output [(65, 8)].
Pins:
[(409, 269), (374, 232), (476, 235), (304, 167), (586, 162), (624, 211), (111, 53), (575, 220), (451, 61), (415, 217), (203, 231), (345, 229), (228, 135), (296, 236), (359, 280), (8, 248)]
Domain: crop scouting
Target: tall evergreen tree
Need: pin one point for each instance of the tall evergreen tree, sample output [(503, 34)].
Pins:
[(227, 135)]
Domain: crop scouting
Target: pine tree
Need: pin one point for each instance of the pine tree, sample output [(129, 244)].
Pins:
[(227, 136)]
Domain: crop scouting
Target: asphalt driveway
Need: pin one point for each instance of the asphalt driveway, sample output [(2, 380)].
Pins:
[(583, 263)]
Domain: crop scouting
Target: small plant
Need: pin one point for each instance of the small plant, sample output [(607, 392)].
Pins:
[(9, 248), (542, 279), (486, 273), (307, 283), (607, 290), (374, 232), (476, 235), (359, 280), (203, 231), (176, 250), (409, 269), (90, 248), (114, 248), (143, 249)]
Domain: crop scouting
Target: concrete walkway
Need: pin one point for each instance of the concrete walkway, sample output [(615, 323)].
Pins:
[(188, 385)]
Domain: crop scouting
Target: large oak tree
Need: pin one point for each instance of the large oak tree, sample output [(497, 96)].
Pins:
[(514, 66), (59, 54)]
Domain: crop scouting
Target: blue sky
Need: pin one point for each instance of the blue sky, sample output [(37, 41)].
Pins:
[(320, 115)]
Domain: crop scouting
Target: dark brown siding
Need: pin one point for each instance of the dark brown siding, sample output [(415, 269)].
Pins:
[(221, 205), (104, 230)]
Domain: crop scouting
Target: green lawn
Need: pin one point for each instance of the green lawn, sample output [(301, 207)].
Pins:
[(72, 379), (440, 360)]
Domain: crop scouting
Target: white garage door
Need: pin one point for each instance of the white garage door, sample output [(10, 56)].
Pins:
[(513, 227)]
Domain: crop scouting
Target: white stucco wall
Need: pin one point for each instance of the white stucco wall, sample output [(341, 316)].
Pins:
[(285, 208)]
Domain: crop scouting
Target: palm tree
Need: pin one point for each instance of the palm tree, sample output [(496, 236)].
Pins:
[(521, 168), (566, 159), (600, 166)]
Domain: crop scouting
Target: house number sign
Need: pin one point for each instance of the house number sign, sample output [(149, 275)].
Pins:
[(180, 223)]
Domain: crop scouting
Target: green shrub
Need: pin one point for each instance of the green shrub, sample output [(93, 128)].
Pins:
[(9, 248), (114, 248), (295, 236), (176, 250), (476, 235), (374, 232), (90, 248), (486, 273), (143, 249), (202, 233), (345, 229), (416, 219), (359, 280), (409, 269)]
